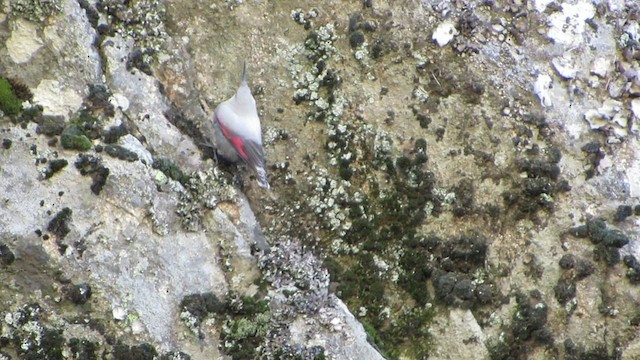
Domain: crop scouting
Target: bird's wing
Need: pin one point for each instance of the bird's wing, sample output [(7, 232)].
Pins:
[(255, 155), (248, 149)]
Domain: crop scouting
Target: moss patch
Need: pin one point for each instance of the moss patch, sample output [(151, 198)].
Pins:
[(245, 320), (171, 170), (73, 137), (10, 103)]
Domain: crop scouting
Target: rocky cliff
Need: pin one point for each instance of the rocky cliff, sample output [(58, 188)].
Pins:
[(449, 180)]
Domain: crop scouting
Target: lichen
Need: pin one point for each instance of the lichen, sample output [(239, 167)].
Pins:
[(83, 349), (243, 331), (142, 20), (142, 351), (537, 185), (35, 10), (50, 125), (203, 190), (194, 308), (78, 294)]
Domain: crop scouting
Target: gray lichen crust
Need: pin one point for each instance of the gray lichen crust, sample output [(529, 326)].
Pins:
[(35, 10)]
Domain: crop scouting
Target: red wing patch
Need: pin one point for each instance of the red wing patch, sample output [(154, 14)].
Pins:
[(238, 144), (236, 141)]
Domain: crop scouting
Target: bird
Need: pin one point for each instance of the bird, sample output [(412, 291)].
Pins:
[(237, 130)]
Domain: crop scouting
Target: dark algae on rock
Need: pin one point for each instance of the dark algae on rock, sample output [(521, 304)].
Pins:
[(59, 225), (92, 165)]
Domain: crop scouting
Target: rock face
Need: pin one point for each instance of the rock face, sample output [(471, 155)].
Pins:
[(448, 181)]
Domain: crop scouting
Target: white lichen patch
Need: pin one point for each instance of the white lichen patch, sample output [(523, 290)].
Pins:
[(611, 117), (565, 66), (445, 32), (56, 99), (635, 108), (601, 66), (567, 27), (24, 41), (119, 101), (542, 88), (190, 321), (119, 313), (325, 200)]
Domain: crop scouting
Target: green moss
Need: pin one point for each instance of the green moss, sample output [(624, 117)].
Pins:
[(246, 326), (33, 113), (411, 335), (10, 104), (372, 335), (251, 305), (90, 125), (171, 170), (73, 137)]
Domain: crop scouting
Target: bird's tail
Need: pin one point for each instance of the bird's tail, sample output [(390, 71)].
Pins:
[(244, 72), (262, 178)]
